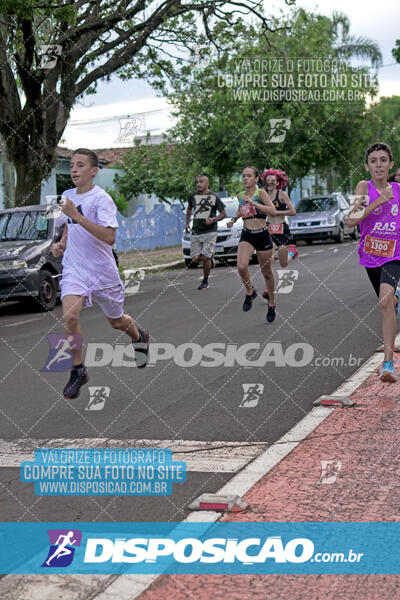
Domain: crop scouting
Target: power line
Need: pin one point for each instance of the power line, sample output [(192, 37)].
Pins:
[(117, 117)]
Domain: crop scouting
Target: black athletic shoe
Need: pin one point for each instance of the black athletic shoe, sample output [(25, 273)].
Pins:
[(142, 349), (203, 285), (77, 379), (271, 314), (248, 302)]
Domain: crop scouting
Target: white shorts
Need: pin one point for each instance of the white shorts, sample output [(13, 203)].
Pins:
[(203, 243), (110, 300)]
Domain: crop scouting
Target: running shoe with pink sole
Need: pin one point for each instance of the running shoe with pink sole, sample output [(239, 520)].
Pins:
[(292, 248)]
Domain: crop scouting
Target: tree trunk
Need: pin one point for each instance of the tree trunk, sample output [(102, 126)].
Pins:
[(29, 180), (316, 183), (329, 181), (221, 183), (8, 179)]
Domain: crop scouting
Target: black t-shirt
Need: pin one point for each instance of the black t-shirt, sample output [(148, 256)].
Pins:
[(203, 206)]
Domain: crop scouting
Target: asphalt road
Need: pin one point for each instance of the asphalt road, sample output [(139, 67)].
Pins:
[(330, 313)]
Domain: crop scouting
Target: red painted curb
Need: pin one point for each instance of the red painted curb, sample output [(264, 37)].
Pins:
[(364, 442)]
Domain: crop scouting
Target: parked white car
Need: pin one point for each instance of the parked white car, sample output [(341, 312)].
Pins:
[(226, 247)]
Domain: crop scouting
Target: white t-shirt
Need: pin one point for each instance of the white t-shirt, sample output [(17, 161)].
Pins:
[(86, 258)]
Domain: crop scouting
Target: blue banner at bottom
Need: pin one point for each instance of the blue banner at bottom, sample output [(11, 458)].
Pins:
[(200, 548)]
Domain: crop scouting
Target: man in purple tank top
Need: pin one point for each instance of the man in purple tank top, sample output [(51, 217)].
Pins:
[(377, 210)]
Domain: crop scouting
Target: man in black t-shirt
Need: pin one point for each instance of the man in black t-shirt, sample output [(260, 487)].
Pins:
[(204, 205)]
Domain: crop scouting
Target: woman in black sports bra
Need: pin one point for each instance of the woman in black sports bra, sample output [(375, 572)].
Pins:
[(274, 182), (254, 206)]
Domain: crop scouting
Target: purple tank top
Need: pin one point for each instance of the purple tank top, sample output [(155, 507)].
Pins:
[(380, 231)]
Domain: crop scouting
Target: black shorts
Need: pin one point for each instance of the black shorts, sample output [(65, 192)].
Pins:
[(282, 239), (260, 240), (386, 273)]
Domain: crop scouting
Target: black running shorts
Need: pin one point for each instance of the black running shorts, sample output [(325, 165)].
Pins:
[(260, 240), (386, 273)]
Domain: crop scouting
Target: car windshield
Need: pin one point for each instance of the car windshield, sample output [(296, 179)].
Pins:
[(231, 207), (316, 204), (29, 225)]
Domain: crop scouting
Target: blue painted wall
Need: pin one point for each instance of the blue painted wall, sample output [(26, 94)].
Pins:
[(144, 231)]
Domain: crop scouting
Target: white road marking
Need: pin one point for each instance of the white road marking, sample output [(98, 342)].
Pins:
[(202, 457), (129, 587), (22, 322), (155, 267)]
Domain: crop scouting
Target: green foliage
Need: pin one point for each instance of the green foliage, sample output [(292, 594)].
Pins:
[(119, 199), (396, 51), (121, 269), (166, 171), (91, 40), (383, 124), (29, 9), (225, 134), (63, 182)]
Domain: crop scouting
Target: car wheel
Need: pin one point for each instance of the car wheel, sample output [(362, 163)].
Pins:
[(187, 262), (340, 237), (309, 242), (47, 291)]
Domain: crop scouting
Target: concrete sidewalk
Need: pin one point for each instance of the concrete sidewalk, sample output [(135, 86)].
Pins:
[(364, 441)]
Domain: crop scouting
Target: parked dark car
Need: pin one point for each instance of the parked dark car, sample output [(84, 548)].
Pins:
[(28, 270)]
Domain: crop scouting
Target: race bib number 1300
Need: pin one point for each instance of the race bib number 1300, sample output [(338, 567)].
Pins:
[(379, 247)]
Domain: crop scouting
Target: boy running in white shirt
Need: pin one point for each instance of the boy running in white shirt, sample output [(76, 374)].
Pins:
[(90, 272)]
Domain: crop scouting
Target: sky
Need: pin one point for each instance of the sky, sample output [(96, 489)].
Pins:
[(98, 120)]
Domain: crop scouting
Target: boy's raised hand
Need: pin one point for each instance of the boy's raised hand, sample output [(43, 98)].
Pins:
[(358, 208), (70, 210), (386, 194)]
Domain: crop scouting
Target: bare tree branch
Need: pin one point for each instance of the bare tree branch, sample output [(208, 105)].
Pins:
[(97, 39)]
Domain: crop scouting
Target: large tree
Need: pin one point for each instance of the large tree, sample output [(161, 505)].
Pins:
[(163, 170), (52, 53), (383, 124), (223, 132)]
